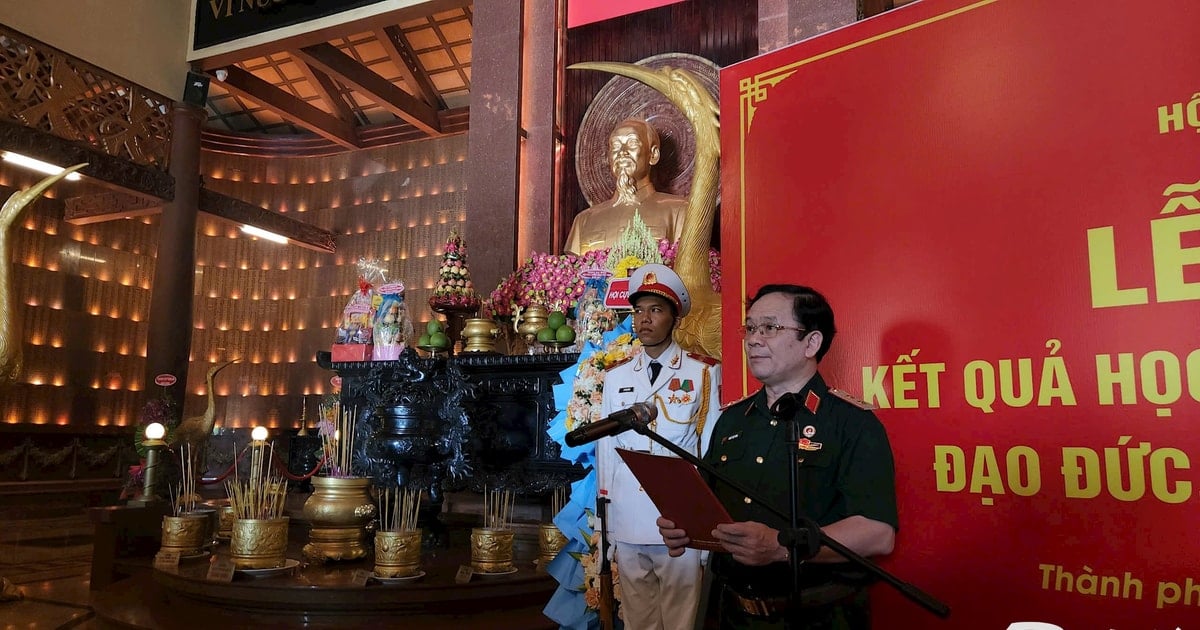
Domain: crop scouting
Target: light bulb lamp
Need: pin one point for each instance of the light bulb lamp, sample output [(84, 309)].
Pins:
[(258, 437), (153, 443)]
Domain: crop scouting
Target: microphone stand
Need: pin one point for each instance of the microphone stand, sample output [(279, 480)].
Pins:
[(794, 499), (810, 534), (607, 600)]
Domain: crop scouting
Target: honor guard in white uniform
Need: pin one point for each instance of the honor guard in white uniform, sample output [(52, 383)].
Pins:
[(657, 591)]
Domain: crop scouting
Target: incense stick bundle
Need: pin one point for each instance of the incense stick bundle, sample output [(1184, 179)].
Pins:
[(398, 509), (262, 495), (184, 496), (337, 439), (498, 508), (558, 500)]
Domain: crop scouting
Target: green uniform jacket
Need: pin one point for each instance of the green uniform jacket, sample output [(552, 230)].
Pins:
[(846, 468)]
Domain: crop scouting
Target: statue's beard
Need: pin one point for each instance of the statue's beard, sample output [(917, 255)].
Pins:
[(626, 184)]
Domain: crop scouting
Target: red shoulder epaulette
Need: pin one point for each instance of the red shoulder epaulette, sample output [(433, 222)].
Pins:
[(703, 358), (740, 400), (850, 398), (619, 363)]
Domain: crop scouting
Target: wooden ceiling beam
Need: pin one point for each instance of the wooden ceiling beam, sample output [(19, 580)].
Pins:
[(239, 211), (290, 108), (328, 59), (406, 60), (113, 172), (326, 88), (343, 29), (107, 206)]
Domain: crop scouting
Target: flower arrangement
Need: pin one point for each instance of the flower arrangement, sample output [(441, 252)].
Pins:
[(591, 571), (161, 409), (669, 251), (164, 410), (554, 281), (454, 287), (584, 406), (635, 247)]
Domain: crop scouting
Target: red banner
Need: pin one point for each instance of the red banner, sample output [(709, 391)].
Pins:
[(580, 12), (1001, 199)]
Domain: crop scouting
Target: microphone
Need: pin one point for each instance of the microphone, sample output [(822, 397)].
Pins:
[(620, 421)]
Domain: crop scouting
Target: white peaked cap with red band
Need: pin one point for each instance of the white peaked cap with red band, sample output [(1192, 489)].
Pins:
[(660, 280)]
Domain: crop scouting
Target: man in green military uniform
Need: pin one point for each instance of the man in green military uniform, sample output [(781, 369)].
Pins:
[(846, 479)]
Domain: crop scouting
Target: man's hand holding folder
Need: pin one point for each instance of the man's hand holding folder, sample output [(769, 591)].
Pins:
[(681, 496)]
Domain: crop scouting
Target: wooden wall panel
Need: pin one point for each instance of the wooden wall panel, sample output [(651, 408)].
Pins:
[(275, 306)]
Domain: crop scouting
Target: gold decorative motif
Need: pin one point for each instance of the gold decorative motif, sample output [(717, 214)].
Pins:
[(184, 534), (550, 542), (259, 543), (397, 553), (754, 91), (491, 550)]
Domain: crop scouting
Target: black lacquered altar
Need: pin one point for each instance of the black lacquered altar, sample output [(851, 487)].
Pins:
[(463, 422)]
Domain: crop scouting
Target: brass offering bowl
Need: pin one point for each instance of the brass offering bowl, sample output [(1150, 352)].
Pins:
[(480, 335)]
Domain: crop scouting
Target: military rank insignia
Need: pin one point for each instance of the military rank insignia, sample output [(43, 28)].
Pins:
[(806, 444), (812, 402)]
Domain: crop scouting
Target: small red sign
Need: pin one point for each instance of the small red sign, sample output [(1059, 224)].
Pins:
[(618, 294), (165, 380), (336, 382), (580, 12)]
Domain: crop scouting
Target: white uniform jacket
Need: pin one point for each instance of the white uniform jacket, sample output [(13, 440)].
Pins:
[(688, 401)]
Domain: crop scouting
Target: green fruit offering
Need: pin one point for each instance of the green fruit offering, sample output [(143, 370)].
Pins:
[(434, 326), (423, 341), (439, 340), (546, 334), (566, 334), (556, 320)]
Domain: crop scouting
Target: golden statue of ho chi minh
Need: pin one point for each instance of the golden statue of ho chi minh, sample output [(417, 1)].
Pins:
[(700, 331), (10, 333), (633, 149)]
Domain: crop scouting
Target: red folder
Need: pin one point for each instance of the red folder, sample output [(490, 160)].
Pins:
[(680, 494)]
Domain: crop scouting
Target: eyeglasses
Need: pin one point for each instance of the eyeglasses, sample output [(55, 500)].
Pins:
[(766, 330)]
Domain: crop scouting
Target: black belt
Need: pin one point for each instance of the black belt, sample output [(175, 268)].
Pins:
[(813, 597)]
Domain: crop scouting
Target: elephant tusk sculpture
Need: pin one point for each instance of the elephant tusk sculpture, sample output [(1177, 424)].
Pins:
[(10, 329)]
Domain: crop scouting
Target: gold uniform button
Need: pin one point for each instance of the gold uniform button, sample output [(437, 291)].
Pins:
[(747, 499), (724, 458), (774, 422), (758, 459)]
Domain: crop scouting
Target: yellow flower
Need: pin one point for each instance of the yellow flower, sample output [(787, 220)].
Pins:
[(625, 264)]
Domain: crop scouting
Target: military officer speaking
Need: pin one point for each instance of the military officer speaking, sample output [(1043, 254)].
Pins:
[(657, 591), (845, 479)]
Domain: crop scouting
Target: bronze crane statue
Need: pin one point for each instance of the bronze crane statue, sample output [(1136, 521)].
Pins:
[(195, 431)]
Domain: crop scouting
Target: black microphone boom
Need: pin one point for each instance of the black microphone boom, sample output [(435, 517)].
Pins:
[(617, 422)]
